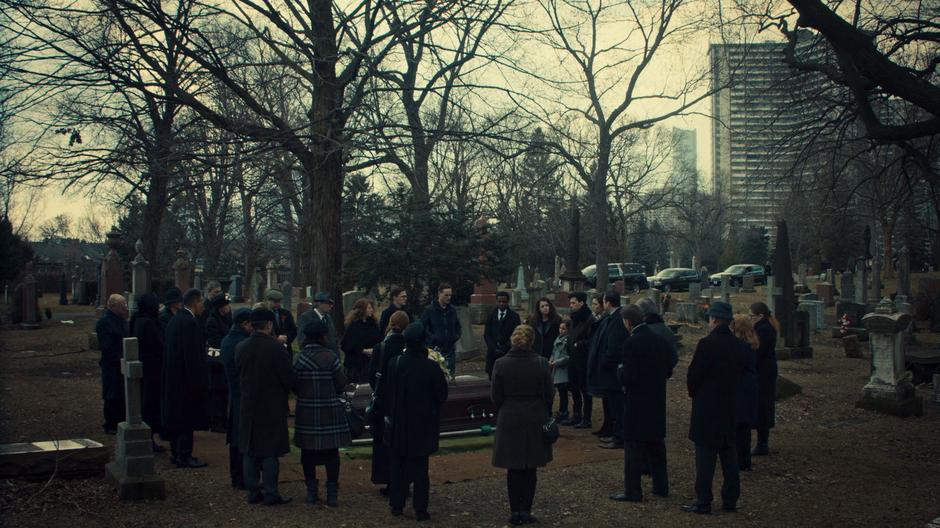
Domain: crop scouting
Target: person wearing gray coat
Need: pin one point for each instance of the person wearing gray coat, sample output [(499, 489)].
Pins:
[(523, 392), (558, 362)]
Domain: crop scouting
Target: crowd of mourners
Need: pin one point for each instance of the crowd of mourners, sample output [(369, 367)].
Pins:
[(207, 367)]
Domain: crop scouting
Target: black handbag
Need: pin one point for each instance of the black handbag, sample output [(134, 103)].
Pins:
[(357, 423), (550, 431)]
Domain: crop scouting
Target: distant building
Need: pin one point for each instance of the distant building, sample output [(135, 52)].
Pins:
[(761, 114), (685, 159)]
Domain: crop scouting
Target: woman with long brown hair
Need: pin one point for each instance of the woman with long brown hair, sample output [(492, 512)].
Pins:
[(746, 395), (382, 354), (362, 333), (545, 322), (767, 328)]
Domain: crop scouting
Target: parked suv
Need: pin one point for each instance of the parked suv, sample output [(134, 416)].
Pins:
[(633, 275), (738, 272), (674, 279)]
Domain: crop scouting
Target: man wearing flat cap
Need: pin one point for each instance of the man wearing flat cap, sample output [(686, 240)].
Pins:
[(712, 383), (322, 307), (241, 329), (285, 330), (265, 380)]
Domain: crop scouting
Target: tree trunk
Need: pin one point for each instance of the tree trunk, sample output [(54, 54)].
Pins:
[(887, 230), (154, 209)]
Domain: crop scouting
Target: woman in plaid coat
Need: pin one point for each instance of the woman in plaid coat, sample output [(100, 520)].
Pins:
[(320, 425)]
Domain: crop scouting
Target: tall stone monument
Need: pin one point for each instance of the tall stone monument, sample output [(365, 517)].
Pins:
[(112, 270), (29, 308), (182, 271), (889, 390), (76, 284), (271, 269), (794, 325), (132, 471), (572, 279), (140, 276)]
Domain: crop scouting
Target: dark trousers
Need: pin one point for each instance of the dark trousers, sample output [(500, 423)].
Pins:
[(311, 458), (763, 437), (113, 412), (261, 474), (405, 471), (577, 384), (705, 472), (112, 392), (615, 404), (181, 444), (562, 389), (743, 446), (236, 467), (639, 455), (521, 485)]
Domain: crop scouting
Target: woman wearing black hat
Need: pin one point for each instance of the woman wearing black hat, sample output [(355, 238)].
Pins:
[(320, 426), (145, 326), (523, 392)]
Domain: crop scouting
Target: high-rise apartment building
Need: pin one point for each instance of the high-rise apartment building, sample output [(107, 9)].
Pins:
[(761, 109)]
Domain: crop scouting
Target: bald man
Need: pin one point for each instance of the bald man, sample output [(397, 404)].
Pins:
[(111, 330)]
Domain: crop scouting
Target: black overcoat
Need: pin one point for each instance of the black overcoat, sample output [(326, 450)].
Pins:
[(151, 343), (745, 412), (217, 327), (227, 355), (605, 355), (546, 332), (648, 362), (441, 325), (265, 379), (111, 331), (360, 335), (382, 354), (413, 393), (712, 383), (766, 374), (523, 392), (185, 404), (496, 334), (284, 325)]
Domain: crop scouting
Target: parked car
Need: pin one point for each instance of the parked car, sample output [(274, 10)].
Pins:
[(674, 279), (633, 275), (738, 272)]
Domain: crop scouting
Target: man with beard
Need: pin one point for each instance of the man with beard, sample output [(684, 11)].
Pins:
[(185, 381)]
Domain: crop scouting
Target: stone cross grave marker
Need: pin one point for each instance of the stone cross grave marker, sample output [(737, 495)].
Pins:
[(132, 471)]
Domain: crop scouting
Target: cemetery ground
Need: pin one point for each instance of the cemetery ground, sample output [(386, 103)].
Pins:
[(831, 464)]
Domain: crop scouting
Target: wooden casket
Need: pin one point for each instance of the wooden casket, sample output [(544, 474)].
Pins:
[(468, 405)]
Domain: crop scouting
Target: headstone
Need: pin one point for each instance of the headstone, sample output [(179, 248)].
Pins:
[(875, 292), (726, 287), (349, 299), (562, 303), (656, 268), (483, 299), (197, 281), (861, 284), (112, 270), (467, 347), (140, 280), (747, 284), (847, 286), (826, 293), (235, 288), (808, 297), (29, 308), (656, 296), (794, 324), (815, 311), (309, 293), (271, 270), (904, 273), (288, 290), (852, 346), (515, 299), (708, 293), (520, 290), (132, 470), (63, 290), (182, 271), (770, 291), (889, 390), (76, 284), (801, 286), (83, 289), (687, 312), (695, 290)]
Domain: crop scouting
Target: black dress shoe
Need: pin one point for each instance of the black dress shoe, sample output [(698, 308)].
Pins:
[(729, 508), (611, 445), (527, 518), (422, 516), (384, 491), (574, 420), (396, 513), (623, 497), (696, 508), (760, 450), (663, 494), (515, 519), (255, 498), (277, 500), (174, 460), (585, 424), (192, 462)]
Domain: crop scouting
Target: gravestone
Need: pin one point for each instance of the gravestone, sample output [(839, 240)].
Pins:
[(747, 284), (63, 290), (236, 289), (182, 271), (29, 308), (562, 303), (83, 289), (349, 299), (703, 275), (707, 293), (861, 284), (197, 281), (112, 270), (770, 291), (801, 286), (656, 296), (132, 470), (889, 389), (271, 282), (726, 288), (904, 274), (847, 286), (520, 295), (875, 293), (483, 299), (687, 312), (815, 311), (852, 346), (467, 346), (826, 293), (808, 297), (695, 290), (140, 279), (557, 275), (76, 284), (794, 324)]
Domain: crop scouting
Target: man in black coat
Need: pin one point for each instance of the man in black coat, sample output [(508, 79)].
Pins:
[(603, 358), (285, 329), (579, 340), (442, 326), (111, 330), (399, 300), (185, 380), (647, 362), (413, 394), (712, 383), (172, 303), (265, 379), (497, 330)]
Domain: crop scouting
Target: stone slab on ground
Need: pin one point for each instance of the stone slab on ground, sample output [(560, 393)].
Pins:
[(902, 407), (785, 353), (74, 458)]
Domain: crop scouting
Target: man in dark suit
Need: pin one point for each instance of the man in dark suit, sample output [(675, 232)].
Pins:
[(647, 362), (603, 358), (578, 345), (111, 330), (498, 329), (413, 394), (712, 383), (399, 301), (285, 330), (185, 380), (322, 308), (265, 379)]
